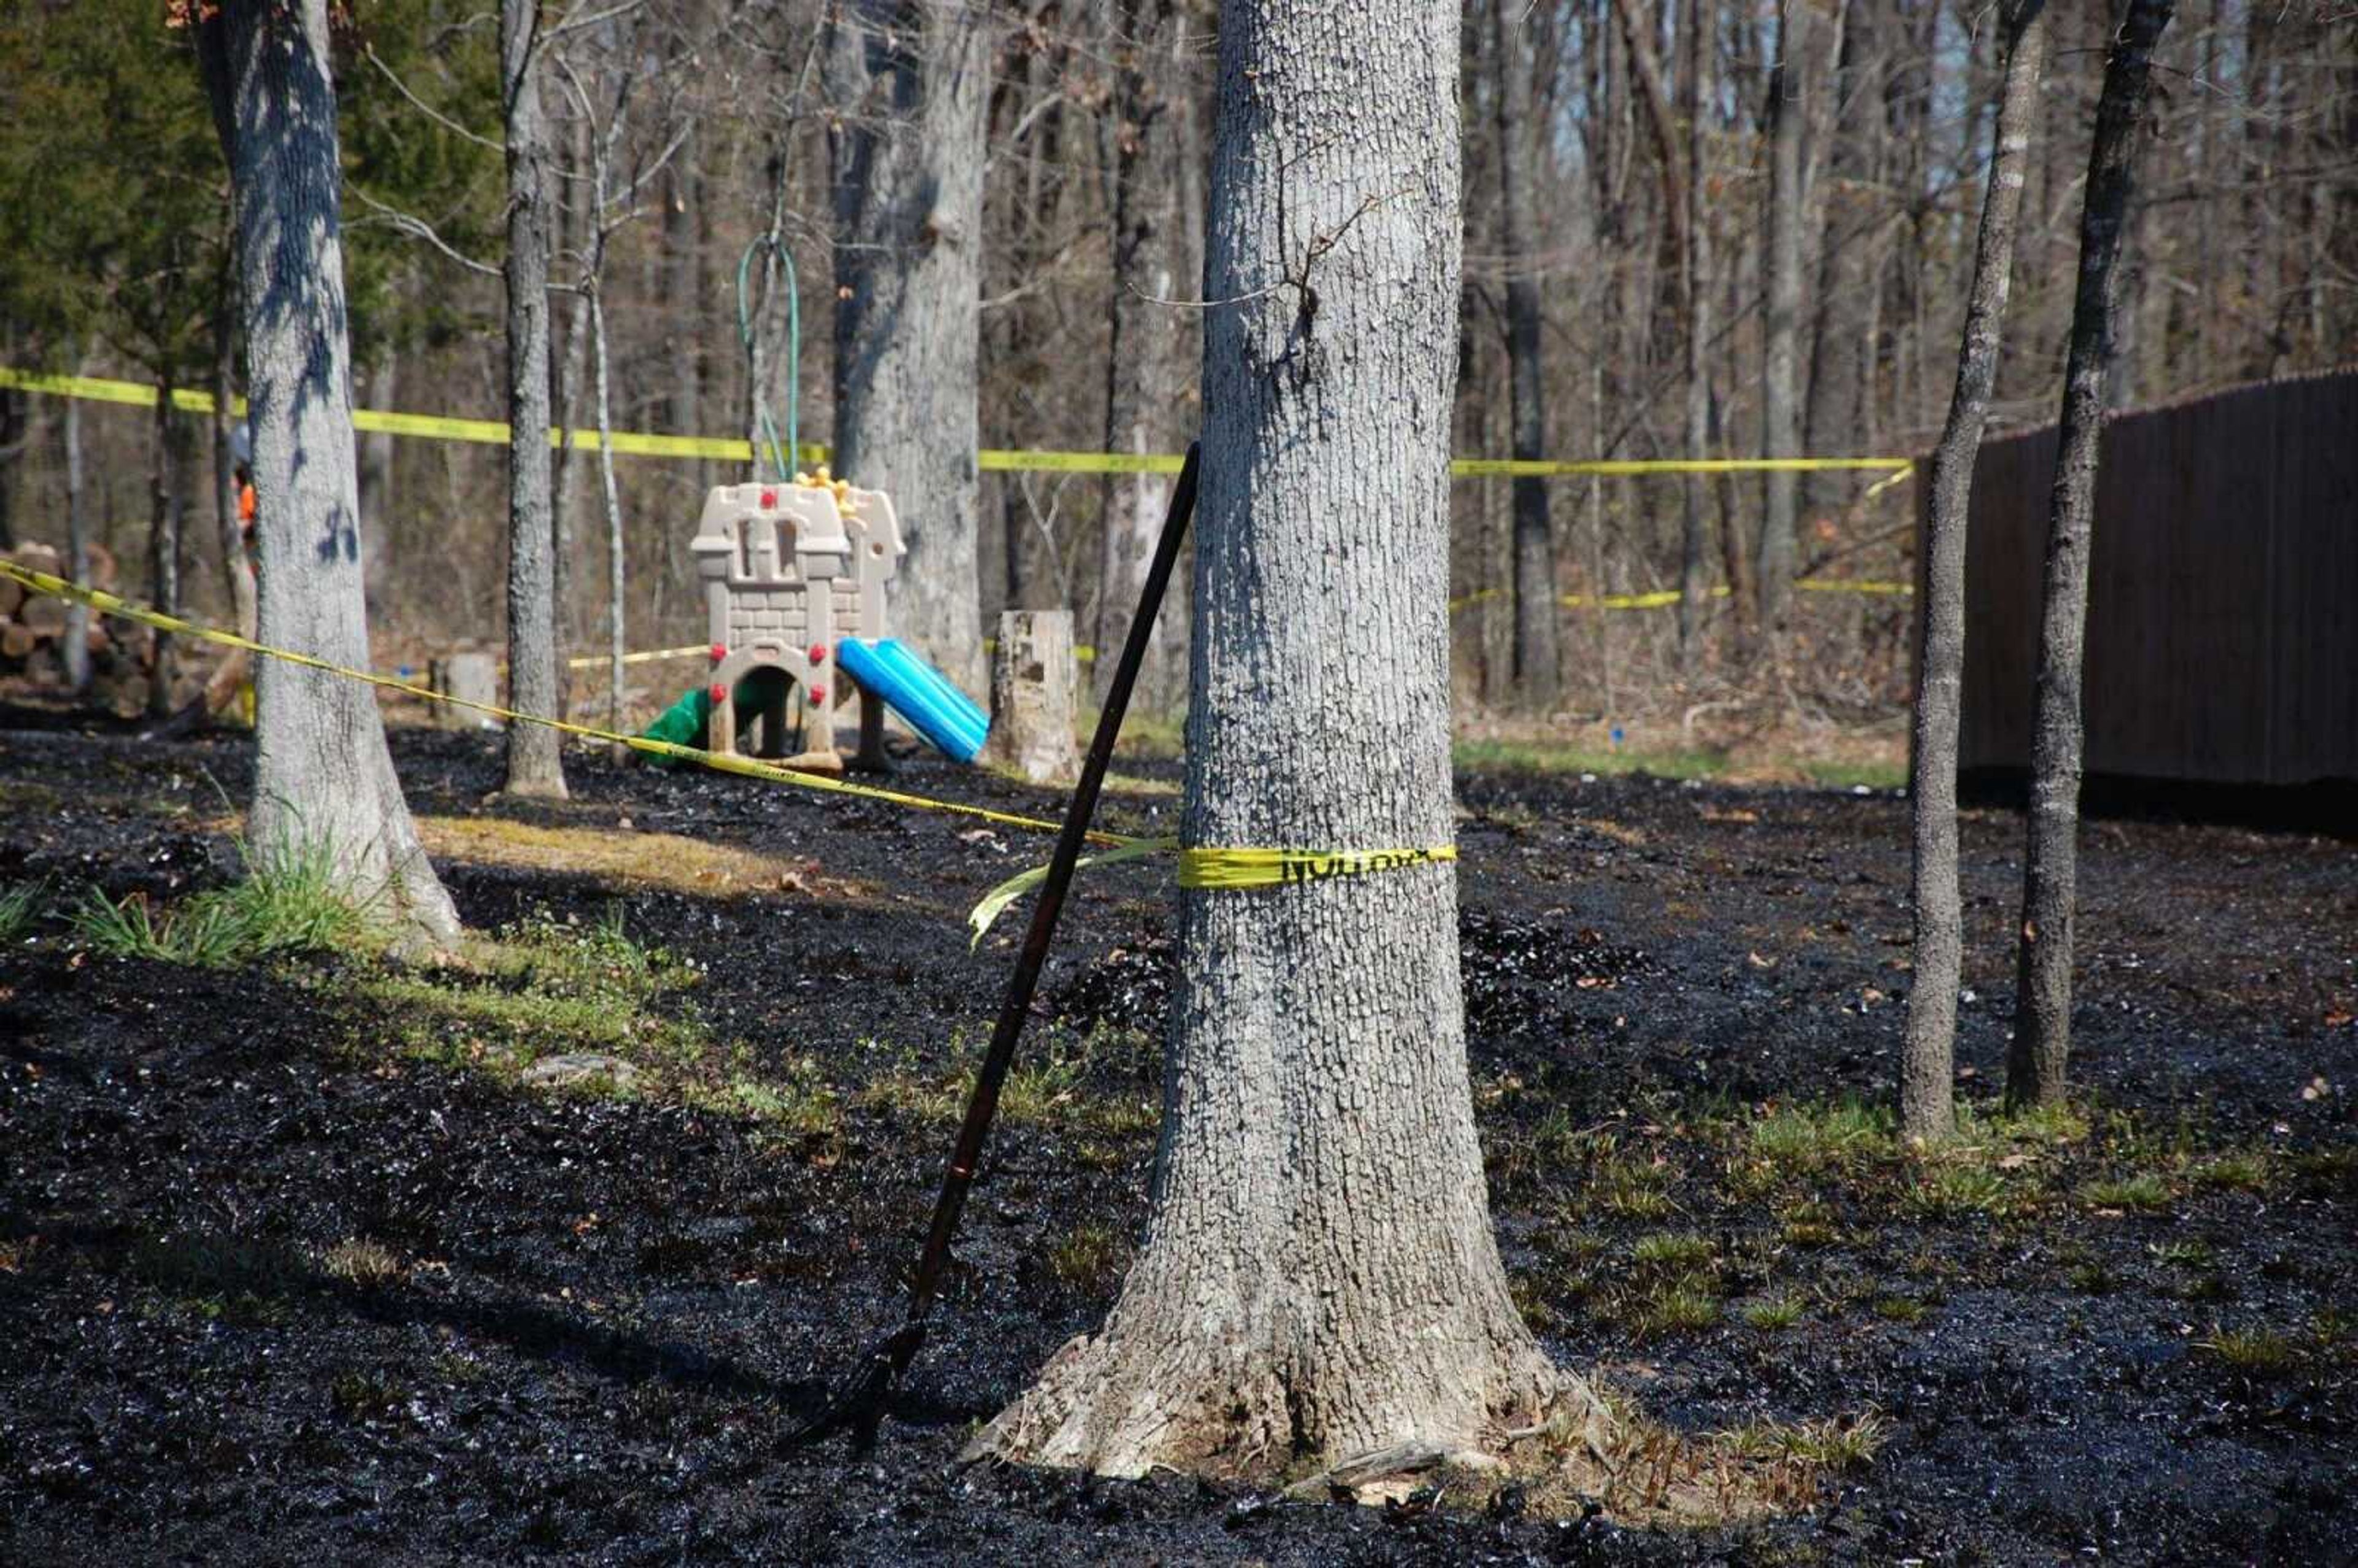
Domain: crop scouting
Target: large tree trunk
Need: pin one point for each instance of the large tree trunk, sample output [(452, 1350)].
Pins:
[(2042, 1006), (1319, 1277), (908, 78), (1781, 430), (535, 765), (1538, 666), (1926, 1111), (1150, 345), (323, 777)]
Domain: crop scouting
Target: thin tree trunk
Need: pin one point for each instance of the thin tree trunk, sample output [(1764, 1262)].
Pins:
[(2042, 1011), (1149, 346), (1781, 433), (535, 764), (228, 529), (1694, 543), (324, 782), (1319, 1277), (76, 634), (615, 604), (164, 543), (909, 79), (1538, 667), (377, 454), (1928, 1072)]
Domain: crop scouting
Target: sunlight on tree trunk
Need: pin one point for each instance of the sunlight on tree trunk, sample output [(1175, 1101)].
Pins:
[(1319, 1277), (323, 777), (2042, 1008), (1928, 1067), (535, 765)]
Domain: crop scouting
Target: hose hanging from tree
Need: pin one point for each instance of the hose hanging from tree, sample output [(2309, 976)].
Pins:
[(782, 460)]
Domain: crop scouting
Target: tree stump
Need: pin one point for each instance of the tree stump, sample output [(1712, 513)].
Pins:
[(1033, 680), (470, 677)]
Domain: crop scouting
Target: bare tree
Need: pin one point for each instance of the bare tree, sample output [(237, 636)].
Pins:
[(1928, 1067), (323, 777), (1696, 285), (1537, 669), (908, 80), (2042, 1006), (1144, 158), (1780, 424), (1319, 1277), (535, 764)]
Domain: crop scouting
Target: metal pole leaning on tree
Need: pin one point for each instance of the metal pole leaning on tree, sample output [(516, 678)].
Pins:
[(858, 1404)]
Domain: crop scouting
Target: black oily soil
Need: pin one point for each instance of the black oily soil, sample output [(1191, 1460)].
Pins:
[(608, 1313)]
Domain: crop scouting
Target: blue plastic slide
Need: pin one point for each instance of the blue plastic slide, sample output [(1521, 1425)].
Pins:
[(918, 692)]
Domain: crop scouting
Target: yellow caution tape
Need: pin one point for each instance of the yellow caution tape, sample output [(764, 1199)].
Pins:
[(1273, 868), (1197, 868), (1662, 598), (734, 449), (727, 763), (1521, 468), (653, 656)]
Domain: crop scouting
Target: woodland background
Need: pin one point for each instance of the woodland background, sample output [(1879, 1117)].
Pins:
[(1617, 174)]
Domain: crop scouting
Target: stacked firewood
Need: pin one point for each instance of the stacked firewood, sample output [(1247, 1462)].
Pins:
[(33, 631)]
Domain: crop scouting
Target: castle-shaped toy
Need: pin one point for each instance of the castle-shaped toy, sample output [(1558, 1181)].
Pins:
[(794, 581)]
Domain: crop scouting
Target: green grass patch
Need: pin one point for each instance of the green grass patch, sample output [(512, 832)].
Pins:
[(1672, 1252), (2143, 1194), (2239, 1171), (290, 903), (1955, 1191), (1805, 1138), (1687, 1304), (1773, 1313), (1090, 1259), (1836, 1444), (2257, 1349), (20, 905)]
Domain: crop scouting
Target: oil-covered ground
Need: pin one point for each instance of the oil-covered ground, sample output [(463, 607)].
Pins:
[(538, 1253)]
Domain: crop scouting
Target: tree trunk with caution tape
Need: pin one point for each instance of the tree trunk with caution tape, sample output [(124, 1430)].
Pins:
[(2042, 1004), (1927, 1064), (1319, 1279), (323, 778)]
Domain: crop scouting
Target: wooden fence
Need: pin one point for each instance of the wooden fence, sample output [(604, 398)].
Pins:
[(2223, 606)]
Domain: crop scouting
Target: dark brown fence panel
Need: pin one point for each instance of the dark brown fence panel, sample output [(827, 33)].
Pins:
[(2223, 617)]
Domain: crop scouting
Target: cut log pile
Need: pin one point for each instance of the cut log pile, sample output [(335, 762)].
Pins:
[(33, 629)]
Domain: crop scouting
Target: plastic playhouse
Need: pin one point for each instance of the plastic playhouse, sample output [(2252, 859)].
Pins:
[(793, 579)]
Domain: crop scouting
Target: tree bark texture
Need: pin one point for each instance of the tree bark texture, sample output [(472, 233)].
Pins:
[(75, 650), (323, 777), (1319, 1277), (1927, 1077), (2042, 1005), (1780, 429), (236, 666), (164, 475), (535, 764), (1150, 346), (1695, 542), (908, 81), (1033, 716), (1537, 669)]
